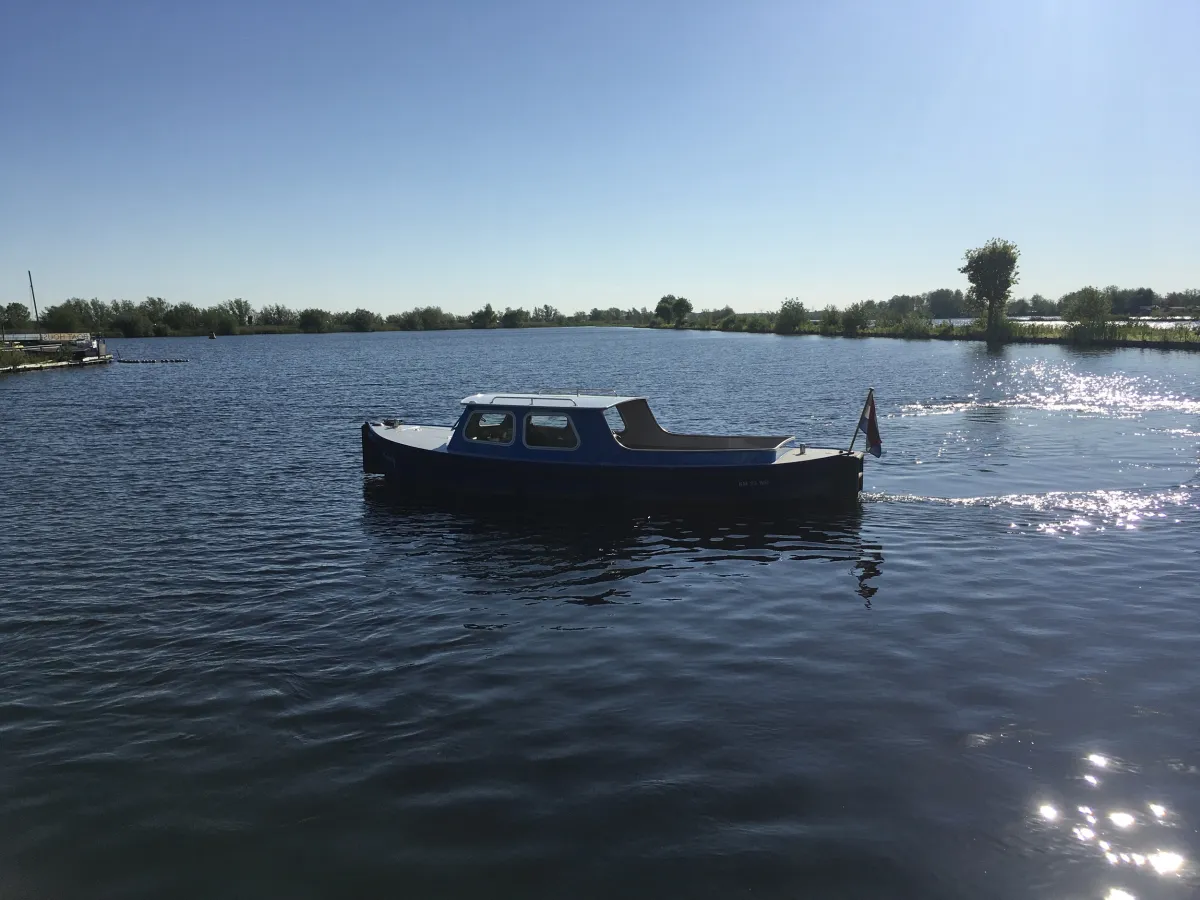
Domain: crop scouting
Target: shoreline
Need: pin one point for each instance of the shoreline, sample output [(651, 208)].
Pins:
[(57, 364), (1065, 340), (936, 333)]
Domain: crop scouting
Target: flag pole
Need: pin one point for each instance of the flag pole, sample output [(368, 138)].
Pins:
[(870, 393)]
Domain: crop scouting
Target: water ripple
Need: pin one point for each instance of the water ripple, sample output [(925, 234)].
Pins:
[(230, 659)]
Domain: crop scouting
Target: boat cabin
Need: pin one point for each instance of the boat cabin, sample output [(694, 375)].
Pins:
[(598, 428)]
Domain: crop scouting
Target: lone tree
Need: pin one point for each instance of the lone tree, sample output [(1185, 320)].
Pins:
[(992, 271)]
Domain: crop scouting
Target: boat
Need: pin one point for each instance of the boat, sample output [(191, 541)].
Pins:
[(601, 448)]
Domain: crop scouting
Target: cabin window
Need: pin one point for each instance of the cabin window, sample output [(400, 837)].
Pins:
[(612, 415), (489, 427), (555, 432)]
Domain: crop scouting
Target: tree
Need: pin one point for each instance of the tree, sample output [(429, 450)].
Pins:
[(433, 318), (132, 322), (897, 308), (362, 320), (313, 321), (1140, 301), (155, 309), (1088, 307), (681, 308), (710, 318), (830, 321), (276, 315), (184, 317), (759, 323), (992, 271), (514, 318), (64, 317), (792, 317), (1189, 299), (219, 320), (15, 315), (1019, 307), (1040, 306), (853, 319), (945, 304), (666, 308), (484, 318), (406, 321), (240, 310)]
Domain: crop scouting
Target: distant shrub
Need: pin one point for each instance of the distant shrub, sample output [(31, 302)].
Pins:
[(854, 319), (792, 317), (915, 325)]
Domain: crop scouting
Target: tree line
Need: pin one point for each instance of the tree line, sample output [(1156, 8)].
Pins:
[(157, 317), (991, 271)]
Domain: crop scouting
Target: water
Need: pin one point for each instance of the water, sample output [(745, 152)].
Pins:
[(232, 666)]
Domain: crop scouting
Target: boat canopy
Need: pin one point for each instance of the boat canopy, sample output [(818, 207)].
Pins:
[(565, 401)]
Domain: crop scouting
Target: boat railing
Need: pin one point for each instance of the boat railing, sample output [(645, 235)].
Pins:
[(517, 400), (601, 392)]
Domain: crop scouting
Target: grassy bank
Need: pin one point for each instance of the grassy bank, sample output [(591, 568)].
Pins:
[(1110, 335), (1181, 337)]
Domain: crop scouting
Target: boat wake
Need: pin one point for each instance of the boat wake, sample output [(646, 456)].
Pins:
[(1070, 512), (1117, 406), (1057, 388)]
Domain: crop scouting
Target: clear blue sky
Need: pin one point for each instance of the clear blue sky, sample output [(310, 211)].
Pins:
[(388, 155)]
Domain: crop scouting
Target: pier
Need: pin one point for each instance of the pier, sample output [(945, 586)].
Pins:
[(31, 352)]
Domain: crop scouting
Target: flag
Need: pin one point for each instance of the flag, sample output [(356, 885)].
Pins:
[(869, 427)]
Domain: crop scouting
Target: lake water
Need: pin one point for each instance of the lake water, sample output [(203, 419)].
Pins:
[(231, 665)]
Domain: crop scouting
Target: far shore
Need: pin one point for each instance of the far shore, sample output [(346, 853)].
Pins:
[(1185, 335)]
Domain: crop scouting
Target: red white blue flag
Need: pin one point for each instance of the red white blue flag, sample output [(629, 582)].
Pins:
[(870, 427)]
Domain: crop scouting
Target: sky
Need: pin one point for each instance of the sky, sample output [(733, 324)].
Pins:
[(390, 155)]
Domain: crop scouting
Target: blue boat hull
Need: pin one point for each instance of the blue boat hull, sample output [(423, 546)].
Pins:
[(819, 481)]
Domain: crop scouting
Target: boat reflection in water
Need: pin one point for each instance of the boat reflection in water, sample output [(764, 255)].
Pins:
[(589, 556)]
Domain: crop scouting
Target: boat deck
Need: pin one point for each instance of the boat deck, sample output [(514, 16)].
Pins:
[(437, 437), (423, 437), (809, 453)]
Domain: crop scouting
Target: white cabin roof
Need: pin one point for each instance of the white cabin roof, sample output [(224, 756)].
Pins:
[(566, 400)]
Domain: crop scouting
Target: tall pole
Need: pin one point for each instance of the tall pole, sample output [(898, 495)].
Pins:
[(36, 317)]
